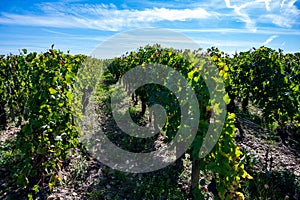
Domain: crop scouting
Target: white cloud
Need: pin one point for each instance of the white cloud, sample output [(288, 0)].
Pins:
[(101, 16), (281, 13), (269, 40), (262, 31), (56, 32), (243, 16), (284, 14), (227, 43), (267, 4), (253, 13), (282, 3), (46, 21)]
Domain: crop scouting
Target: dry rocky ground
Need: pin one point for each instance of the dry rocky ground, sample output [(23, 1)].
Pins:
[(86, 178)]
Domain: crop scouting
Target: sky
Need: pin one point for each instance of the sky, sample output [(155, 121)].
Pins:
[(79, 26)]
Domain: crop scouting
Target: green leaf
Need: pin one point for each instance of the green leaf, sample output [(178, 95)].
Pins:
[(22, 180), (29, 196), (36, 188), (69, 78)]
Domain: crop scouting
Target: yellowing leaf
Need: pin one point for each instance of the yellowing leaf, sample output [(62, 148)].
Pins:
[(240, 196), (69, 95), (221, 64), (235, 167), (190, 74), (52, 91), (51, 186), (238, 152), (231, 116), (226, 68), (216, 108), (221, 72), (226, 99), (246, 175), (226, 76)]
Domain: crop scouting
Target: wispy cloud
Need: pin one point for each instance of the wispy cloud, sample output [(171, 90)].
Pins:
[(228, 43), (282, 3), (243, 16), (63, 14), (101, 16), (281, 13), (284, 14), (269, 40), (35, 20), (262, 31), (56, 32), (231, 24), (267, 4)]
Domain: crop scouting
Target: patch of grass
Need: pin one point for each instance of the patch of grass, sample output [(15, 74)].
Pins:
[(9, 162), (6, 152), (79, 169)]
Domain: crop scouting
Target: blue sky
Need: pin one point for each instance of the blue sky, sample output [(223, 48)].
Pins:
[(81, 25)]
